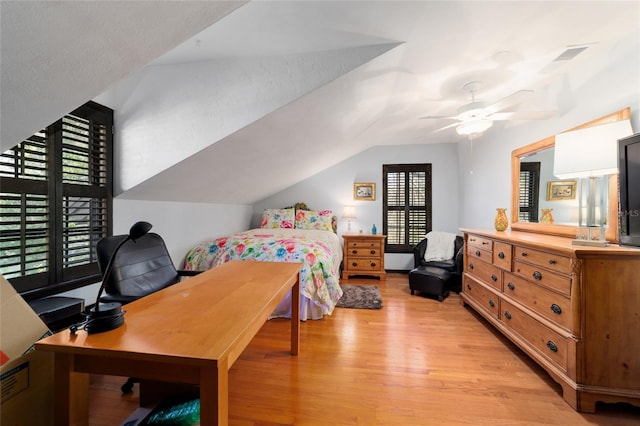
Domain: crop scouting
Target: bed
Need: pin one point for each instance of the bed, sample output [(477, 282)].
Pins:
[(285, 235)]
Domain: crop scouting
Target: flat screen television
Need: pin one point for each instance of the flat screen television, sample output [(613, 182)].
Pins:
[(629, 164)]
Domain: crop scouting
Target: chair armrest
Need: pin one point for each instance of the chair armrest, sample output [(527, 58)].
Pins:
[(418, 252), (459, 260)]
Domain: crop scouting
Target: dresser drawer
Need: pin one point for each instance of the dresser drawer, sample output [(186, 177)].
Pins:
[(492, 275), (549, 304), (546, 260), (364, 249), (364, 264), (480, 242), (543, 277), (502, 255), (483, 296), (549, 343), (478, 253)]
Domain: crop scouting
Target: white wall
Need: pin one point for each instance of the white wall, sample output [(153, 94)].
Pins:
[(485, 172), (333, 189)]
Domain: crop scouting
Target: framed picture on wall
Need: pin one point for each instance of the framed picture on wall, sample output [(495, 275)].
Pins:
[(364, 191), (559, 190)]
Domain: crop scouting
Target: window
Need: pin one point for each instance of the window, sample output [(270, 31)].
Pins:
[(406, 204), (529, 192), (56, 202)]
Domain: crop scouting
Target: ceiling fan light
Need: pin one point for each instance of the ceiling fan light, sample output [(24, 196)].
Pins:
[(475, 127)]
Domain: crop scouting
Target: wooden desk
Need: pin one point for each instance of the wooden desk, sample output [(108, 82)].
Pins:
[(190, 333)]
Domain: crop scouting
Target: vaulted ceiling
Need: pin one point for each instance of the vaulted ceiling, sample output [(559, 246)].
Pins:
[(229, 102)]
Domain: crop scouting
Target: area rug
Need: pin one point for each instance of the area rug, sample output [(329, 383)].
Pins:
[(360, 297)]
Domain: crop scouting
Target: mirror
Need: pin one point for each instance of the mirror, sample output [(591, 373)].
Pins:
[(536, 162)]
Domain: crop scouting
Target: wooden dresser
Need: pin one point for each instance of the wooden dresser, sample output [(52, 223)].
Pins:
[(363, 255), (575, 310)]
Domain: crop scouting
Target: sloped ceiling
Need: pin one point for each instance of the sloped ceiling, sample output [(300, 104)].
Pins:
[(275, 92), (57, 55)]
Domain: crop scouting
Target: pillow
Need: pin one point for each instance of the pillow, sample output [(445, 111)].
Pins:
[(440, 246), (277, 218), (312, 219)]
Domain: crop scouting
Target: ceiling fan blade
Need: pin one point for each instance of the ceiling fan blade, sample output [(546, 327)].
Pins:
[(509, 101), (446, 127), (439, 117), (522, 115)]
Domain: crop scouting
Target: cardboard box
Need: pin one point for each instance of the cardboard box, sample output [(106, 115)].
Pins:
[(26, 376)]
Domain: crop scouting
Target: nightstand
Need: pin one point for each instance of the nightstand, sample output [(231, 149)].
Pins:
[(363, 255)]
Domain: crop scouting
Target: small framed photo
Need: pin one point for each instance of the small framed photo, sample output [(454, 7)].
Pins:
[(561, 190), (364, 191)]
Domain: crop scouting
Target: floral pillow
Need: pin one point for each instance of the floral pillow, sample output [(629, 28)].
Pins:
[(277, 218), (312, 219)]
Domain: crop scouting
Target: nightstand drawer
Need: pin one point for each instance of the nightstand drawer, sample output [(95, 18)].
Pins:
[(361, 249), (364, 264)]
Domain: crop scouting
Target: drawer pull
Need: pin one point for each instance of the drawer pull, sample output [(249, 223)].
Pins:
[(484, 243), (354, 264), (501, 255), (373, 252), (494, 277), (552, 262), (556, 309), (354, 251), (478, 253), (471, 266), (552, 346), (492, 303), (537, 276), (523, 254), (507, 315), (373, 264), (511, 286), (469, 287)]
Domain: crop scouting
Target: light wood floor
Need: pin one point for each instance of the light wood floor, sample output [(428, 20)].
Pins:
[(414, 362)]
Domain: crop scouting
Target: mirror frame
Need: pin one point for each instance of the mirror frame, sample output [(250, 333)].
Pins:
[(563, 230)]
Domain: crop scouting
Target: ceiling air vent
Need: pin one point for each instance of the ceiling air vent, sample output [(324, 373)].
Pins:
[(570, 53)]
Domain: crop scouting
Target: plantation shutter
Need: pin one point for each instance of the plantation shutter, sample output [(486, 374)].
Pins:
[(406, 205), (56, 202), (528, 193), (24, 210), (84, 193)]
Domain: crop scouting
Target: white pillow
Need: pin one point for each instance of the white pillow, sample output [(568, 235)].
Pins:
[(440, 246)]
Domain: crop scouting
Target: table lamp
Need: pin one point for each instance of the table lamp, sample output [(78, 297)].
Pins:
[(349, 212), (590, 155), (109, 316)]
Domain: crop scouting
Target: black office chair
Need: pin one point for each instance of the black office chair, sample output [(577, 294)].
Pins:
[(140, 267)]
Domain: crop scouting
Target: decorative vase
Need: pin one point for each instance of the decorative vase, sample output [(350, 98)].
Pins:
[(374, 230), (547, 216), (501, 221)]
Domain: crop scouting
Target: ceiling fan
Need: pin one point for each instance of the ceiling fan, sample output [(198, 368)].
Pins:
[(476, 117)]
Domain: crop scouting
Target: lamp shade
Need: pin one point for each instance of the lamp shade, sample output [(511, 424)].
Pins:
[(592, 151), (349, 212)]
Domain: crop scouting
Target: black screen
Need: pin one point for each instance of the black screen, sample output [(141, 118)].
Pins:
[(629, 152)]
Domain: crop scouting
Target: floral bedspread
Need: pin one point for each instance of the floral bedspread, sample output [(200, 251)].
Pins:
[(319, 251)]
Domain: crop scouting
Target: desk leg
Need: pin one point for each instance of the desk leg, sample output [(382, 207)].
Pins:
[(295, 317), (72, 393), (214, 394)]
